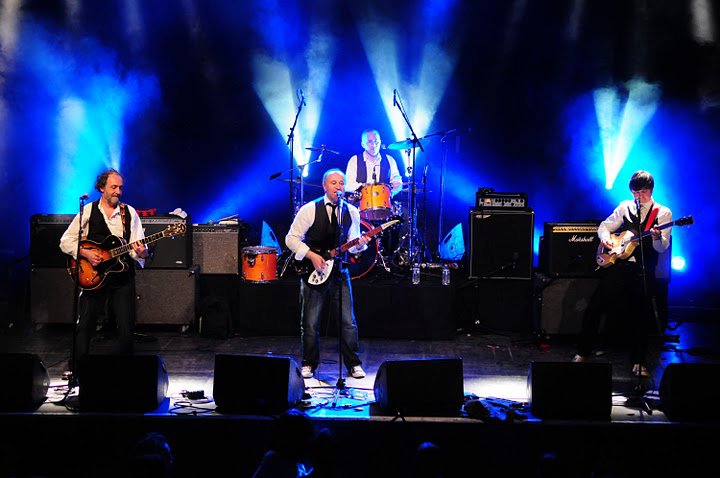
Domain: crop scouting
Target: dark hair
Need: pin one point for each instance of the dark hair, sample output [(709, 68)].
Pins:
[(102, 178), (642, 180)]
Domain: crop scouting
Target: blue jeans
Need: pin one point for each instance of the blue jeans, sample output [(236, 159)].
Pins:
[(313, 302)]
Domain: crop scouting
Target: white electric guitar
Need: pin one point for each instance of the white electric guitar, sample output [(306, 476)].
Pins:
[(319, 277)]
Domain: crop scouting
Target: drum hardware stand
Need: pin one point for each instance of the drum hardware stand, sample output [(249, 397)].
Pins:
[(291, 142)]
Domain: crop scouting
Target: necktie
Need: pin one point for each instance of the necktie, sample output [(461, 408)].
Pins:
[(333, 215)]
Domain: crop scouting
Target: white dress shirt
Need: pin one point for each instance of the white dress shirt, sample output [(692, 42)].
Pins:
[(623, 210)]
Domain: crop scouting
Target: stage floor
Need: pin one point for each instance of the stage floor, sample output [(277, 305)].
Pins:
[(495, 371)]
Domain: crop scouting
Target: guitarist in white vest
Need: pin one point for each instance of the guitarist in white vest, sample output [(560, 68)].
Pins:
[(102, 218), (313, 233), (621, 291)]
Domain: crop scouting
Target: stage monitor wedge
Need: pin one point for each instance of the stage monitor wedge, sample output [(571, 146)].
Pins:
[(25, 380), (122, 383), (570, 390), (401, 387), (256, 384), (690, 391)]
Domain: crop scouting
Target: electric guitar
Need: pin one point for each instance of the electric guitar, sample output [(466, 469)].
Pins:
[(316, 277), (624, 243), (112, 249)]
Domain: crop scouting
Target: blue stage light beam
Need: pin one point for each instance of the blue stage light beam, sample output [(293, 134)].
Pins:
[(621, 125), (420, 91)]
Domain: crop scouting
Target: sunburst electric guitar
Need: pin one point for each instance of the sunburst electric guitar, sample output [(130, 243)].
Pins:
[(113, 250), (624, 243), (319, 277)]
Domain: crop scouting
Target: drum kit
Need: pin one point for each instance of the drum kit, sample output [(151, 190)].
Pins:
[(376, 206)]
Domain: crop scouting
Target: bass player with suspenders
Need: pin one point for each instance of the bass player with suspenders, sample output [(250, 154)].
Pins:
[(315, 232), (116, 293), (626, 286)]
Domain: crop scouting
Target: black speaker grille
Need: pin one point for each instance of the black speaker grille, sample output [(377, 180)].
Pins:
[(501, 243)]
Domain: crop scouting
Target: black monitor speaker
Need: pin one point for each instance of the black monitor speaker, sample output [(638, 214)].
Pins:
[(690, 391), (25, 380)]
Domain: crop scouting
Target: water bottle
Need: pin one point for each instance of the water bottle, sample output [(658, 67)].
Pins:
[(445, 275), (416, 273)]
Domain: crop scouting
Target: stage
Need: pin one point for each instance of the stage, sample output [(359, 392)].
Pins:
[(498, 433)]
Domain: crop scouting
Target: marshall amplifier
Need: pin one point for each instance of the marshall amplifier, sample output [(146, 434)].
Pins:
[(568, 249)]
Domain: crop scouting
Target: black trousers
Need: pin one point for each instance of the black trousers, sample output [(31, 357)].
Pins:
[(627, 304), (116, 299)]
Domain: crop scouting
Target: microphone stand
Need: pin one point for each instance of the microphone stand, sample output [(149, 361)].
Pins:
[(291, 142), (72, 379), (639, 394), (340, 385)]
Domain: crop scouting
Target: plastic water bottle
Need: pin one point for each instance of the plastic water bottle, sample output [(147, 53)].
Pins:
[(416, 273), (445, 275)]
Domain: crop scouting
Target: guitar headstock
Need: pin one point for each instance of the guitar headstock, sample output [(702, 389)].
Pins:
[(685, 221), (173, 230), (392, 222)]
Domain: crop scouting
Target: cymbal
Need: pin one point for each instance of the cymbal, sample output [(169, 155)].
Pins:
[(407, 143), (322, 149), (297, 180)]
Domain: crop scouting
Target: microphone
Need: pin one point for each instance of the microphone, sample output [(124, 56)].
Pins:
[(84, 197), (395, 92), (637, 205), (273, 176)]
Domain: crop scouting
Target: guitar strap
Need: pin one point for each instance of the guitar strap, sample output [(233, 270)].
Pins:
[(126, 229), (651, 218)]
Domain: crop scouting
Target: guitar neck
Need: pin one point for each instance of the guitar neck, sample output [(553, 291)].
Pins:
[(119, 251), (649, 231), (353, 243)]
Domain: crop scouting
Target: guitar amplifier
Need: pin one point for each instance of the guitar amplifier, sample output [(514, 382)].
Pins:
[(216, 247), (169, 252), (568, 249), (45, 233), (501, 243)]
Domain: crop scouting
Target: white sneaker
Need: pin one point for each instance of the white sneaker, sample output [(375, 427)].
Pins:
[(357, 372), (306, 371), (578, 358)]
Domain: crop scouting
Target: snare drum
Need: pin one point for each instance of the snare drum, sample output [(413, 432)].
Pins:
[(259, 264), (375, 202)]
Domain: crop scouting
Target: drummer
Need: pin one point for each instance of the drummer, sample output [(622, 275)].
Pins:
[(379, 168)]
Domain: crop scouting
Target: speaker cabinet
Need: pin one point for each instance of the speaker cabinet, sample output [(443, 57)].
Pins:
[(501, 243), (168, 253), (166, 296), (216, 248), (689, 391), (570, 390), (122, 383), (400, 387), (563, 304), (45, 233), (25, 382), (51, 296), (256, 384), (568, 249)]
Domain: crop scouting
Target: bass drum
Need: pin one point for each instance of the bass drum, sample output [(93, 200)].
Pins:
[(361, 264)]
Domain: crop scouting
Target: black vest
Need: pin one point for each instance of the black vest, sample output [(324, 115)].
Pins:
[(98, 231), (650, 254), (384, 176), (322, 235)]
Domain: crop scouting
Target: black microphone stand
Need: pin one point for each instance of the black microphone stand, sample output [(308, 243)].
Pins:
[(291, 142), (72, 378), (340, 384), (639, 393)]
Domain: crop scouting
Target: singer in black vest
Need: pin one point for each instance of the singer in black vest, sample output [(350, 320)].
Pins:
[(320, 226), (117, 295), (626, 288)]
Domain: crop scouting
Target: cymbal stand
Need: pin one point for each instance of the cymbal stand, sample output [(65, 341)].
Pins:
[(291, 142), (411, 235)]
